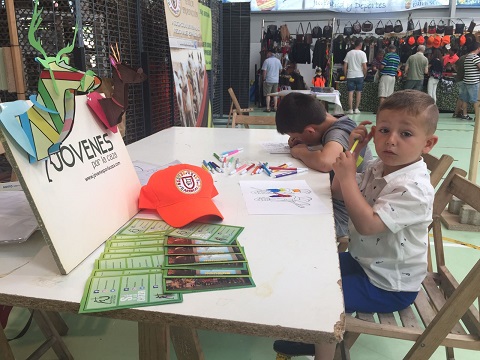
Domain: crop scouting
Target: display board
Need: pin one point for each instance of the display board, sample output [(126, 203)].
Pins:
[(81, 194), (348, 6)]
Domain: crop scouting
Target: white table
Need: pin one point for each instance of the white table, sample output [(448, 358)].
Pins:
[(293, 259), (333, 97)]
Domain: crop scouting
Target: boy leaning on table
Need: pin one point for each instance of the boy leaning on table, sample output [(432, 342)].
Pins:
[(308, 124), (390, 208)]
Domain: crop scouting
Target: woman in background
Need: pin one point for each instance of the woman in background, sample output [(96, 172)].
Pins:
[(435, 72)]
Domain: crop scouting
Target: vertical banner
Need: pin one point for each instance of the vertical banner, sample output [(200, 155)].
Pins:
[(206, 27), (188, 61)]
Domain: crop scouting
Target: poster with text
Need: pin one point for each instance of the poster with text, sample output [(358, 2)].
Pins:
[(84, 192), (188, 62)]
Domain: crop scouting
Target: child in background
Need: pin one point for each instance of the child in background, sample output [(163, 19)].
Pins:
[(318, 80), (390, 207)]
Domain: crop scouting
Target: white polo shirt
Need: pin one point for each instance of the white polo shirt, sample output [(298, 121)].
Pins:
[(395, 260)]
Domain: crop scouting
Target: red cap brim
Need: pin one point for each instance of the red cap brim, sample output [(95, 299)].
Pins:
[(181, 214)]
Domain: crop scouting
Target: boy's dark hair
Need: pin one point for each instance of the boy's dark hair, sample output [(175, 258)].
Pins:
[(358, 42), (415, 103), (296, 111)]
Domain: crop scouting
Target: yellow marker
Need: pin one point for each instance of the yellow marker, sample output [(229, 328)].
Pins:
[(354, 146)]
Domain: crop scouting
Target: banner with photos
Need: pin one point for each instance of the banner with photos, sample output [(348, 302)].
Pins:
[(188, 62), (347, 6)]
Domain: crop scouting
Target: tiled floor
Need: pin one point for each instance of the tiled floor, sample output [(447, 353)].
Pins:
[(98, 338)]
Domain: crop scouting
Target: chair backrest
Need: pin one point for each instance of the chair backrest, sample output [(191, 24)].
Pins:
[(235, 102), (252, 120), (438, 167), (455, 184), (460, 297)]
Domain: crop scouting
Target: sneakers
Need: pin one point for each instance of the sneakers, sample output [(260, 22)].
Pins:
[(466, 117), (274, 110), (266, 110), (357, 111), (350, 111)]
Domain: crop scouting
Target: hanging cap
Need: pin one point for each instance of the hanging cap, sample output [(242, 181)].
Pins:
[(462, 40), (180, 194), (437, 41), (411, 41), (420, 40), (445, 40), (430, 41)]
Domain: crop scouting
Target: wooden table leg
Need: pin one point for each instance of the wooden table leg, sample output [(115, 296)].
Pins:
[(153, 341), (186, 343), (53, 338), (58, 322)]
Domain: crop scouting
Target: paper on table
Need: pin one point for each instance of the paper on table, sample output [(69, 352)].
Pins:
[(281, 198), (145, 170), (17, 221), (276, 148)]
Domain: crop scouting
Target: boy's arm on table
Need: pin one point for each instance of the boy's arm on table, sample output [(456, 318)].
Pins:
[(320, 160)]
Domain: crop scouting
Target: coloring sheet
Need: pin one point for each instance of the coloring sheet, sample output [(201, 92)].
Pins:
[(281, 198)]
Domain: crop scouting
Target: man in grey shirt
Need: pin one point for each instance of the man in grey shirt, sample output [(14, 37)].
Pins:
[(415, 69), (271, 72)]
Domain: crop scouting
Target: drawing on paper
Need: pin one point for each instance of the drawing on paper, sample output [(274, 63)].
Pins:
[(293, 195)]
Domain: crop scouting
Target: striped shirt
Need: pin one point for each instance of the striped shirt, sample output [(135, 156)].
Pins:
[(391, 62), (472, 73)]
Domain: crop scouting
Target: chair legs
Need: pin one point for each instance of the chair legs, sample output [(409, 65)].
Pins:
[(52, 326)]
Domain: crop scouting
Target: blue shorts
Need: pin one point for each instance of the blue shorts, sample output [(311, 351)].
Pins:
[(360, 295), (470, 94), (461, 89), (355, 83)]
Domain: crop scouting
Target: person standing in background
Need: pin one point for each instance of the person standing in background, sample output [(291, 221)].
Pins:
[(415, 69), (451, 57), (318, 80), (471, 79), (388, 71), (271, 72), (460, 72), (435, 72), (355, 69)]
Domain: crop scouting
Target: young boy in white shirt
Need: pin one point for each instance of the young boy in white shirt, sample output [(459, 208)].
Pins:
[(390, 208)]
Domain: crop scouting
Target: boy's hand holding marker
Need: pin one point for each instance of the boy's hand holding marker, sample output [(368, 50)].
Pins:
[(348, 161)]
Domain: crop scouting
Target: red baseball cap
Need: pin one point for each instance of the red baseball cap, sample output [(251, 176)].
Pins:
[(180, 194)]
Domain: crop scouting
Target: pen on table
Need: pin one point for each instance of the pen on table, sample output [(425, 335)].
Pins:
[(231, 152), (244, 171), (264, 166), (207, 165), (288, 173), (230, 162), (254, 171), (217, 157), (215, 166), (205, 168), (240, 168), (283, 168), (354, 146)]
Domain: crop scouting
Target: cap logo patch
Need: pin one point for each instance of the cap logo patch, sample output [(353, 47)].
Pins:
[(188, 182)]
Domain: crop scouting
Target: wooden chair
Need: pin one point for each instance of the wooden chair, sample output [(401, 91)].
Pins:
[(238, 109), (246, 121), (438, 167), (446, 312)]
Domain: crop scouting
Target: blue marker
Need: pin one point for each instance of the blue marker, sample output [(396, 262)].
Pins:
[(208, 166), (264, 167)]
